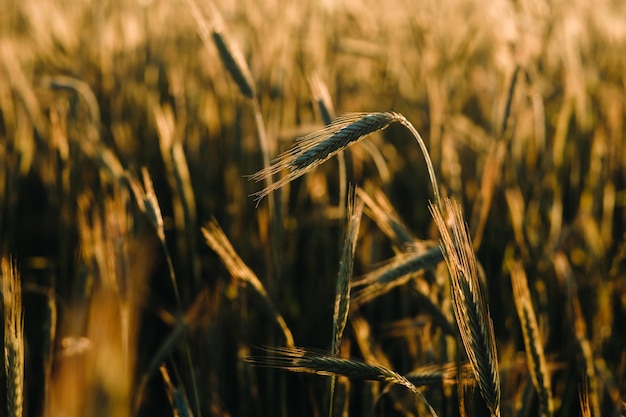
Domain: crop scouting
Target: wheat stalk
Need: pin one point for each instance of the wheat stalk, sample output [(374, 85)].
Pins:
[(13, 338), (470, 308), (217, 240), (380, 209), (314, 149), (565, 274), (535, 356)]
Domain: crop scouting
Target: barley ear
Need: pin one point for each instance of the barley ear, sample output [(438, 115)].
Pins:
[(13, 338), (470, 308)]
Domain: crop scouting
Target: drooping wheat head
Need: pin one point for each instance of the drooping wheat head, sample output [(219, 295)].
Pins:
[(314, 149), (302, 360)]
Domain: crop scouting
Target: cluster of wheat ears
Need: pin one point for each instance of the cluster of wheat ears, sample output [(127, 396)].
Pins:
[(162, 309)]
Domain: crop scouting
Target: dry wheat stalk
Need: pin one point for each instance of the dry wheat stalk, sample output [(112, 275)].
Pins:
[(314, 149), (470, 308), (217, 240), (13, 338), (176, 396), (565, 274), (583, 398), (380, 209), (535, 356)]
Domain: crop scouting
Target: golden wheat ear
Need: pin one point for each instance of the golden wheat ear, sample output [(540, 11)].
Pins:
[(13, 338), (470, 307)]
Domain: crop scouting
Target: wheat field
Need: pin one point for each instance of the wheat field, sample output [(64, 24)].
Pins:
[(219, 208)]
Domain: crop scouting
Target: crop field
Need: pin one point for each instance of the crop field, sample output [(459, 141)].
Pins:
[(313, 208)]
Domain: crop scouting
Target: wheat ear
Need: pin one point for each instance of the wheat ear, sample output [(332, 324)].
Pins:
[(318, 147), (302, 360), (231, 57), (535, 356), (13, 338), (397, 272), (470, 308), (342, 293)]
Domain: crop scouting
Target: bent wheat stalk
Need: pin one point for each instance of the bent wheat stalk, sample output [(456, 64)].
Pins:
[(470, 308), (318, 147)]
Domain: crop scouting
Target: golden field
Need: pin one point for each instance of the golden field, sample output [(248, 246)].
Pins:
[(142, 275)]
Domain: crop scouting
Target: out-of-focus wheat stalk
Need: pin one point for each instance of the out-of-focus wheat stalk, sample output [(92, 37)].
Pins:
[(532, 338), (470, 307), (217, 240), (13, 338), (565, 274)]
